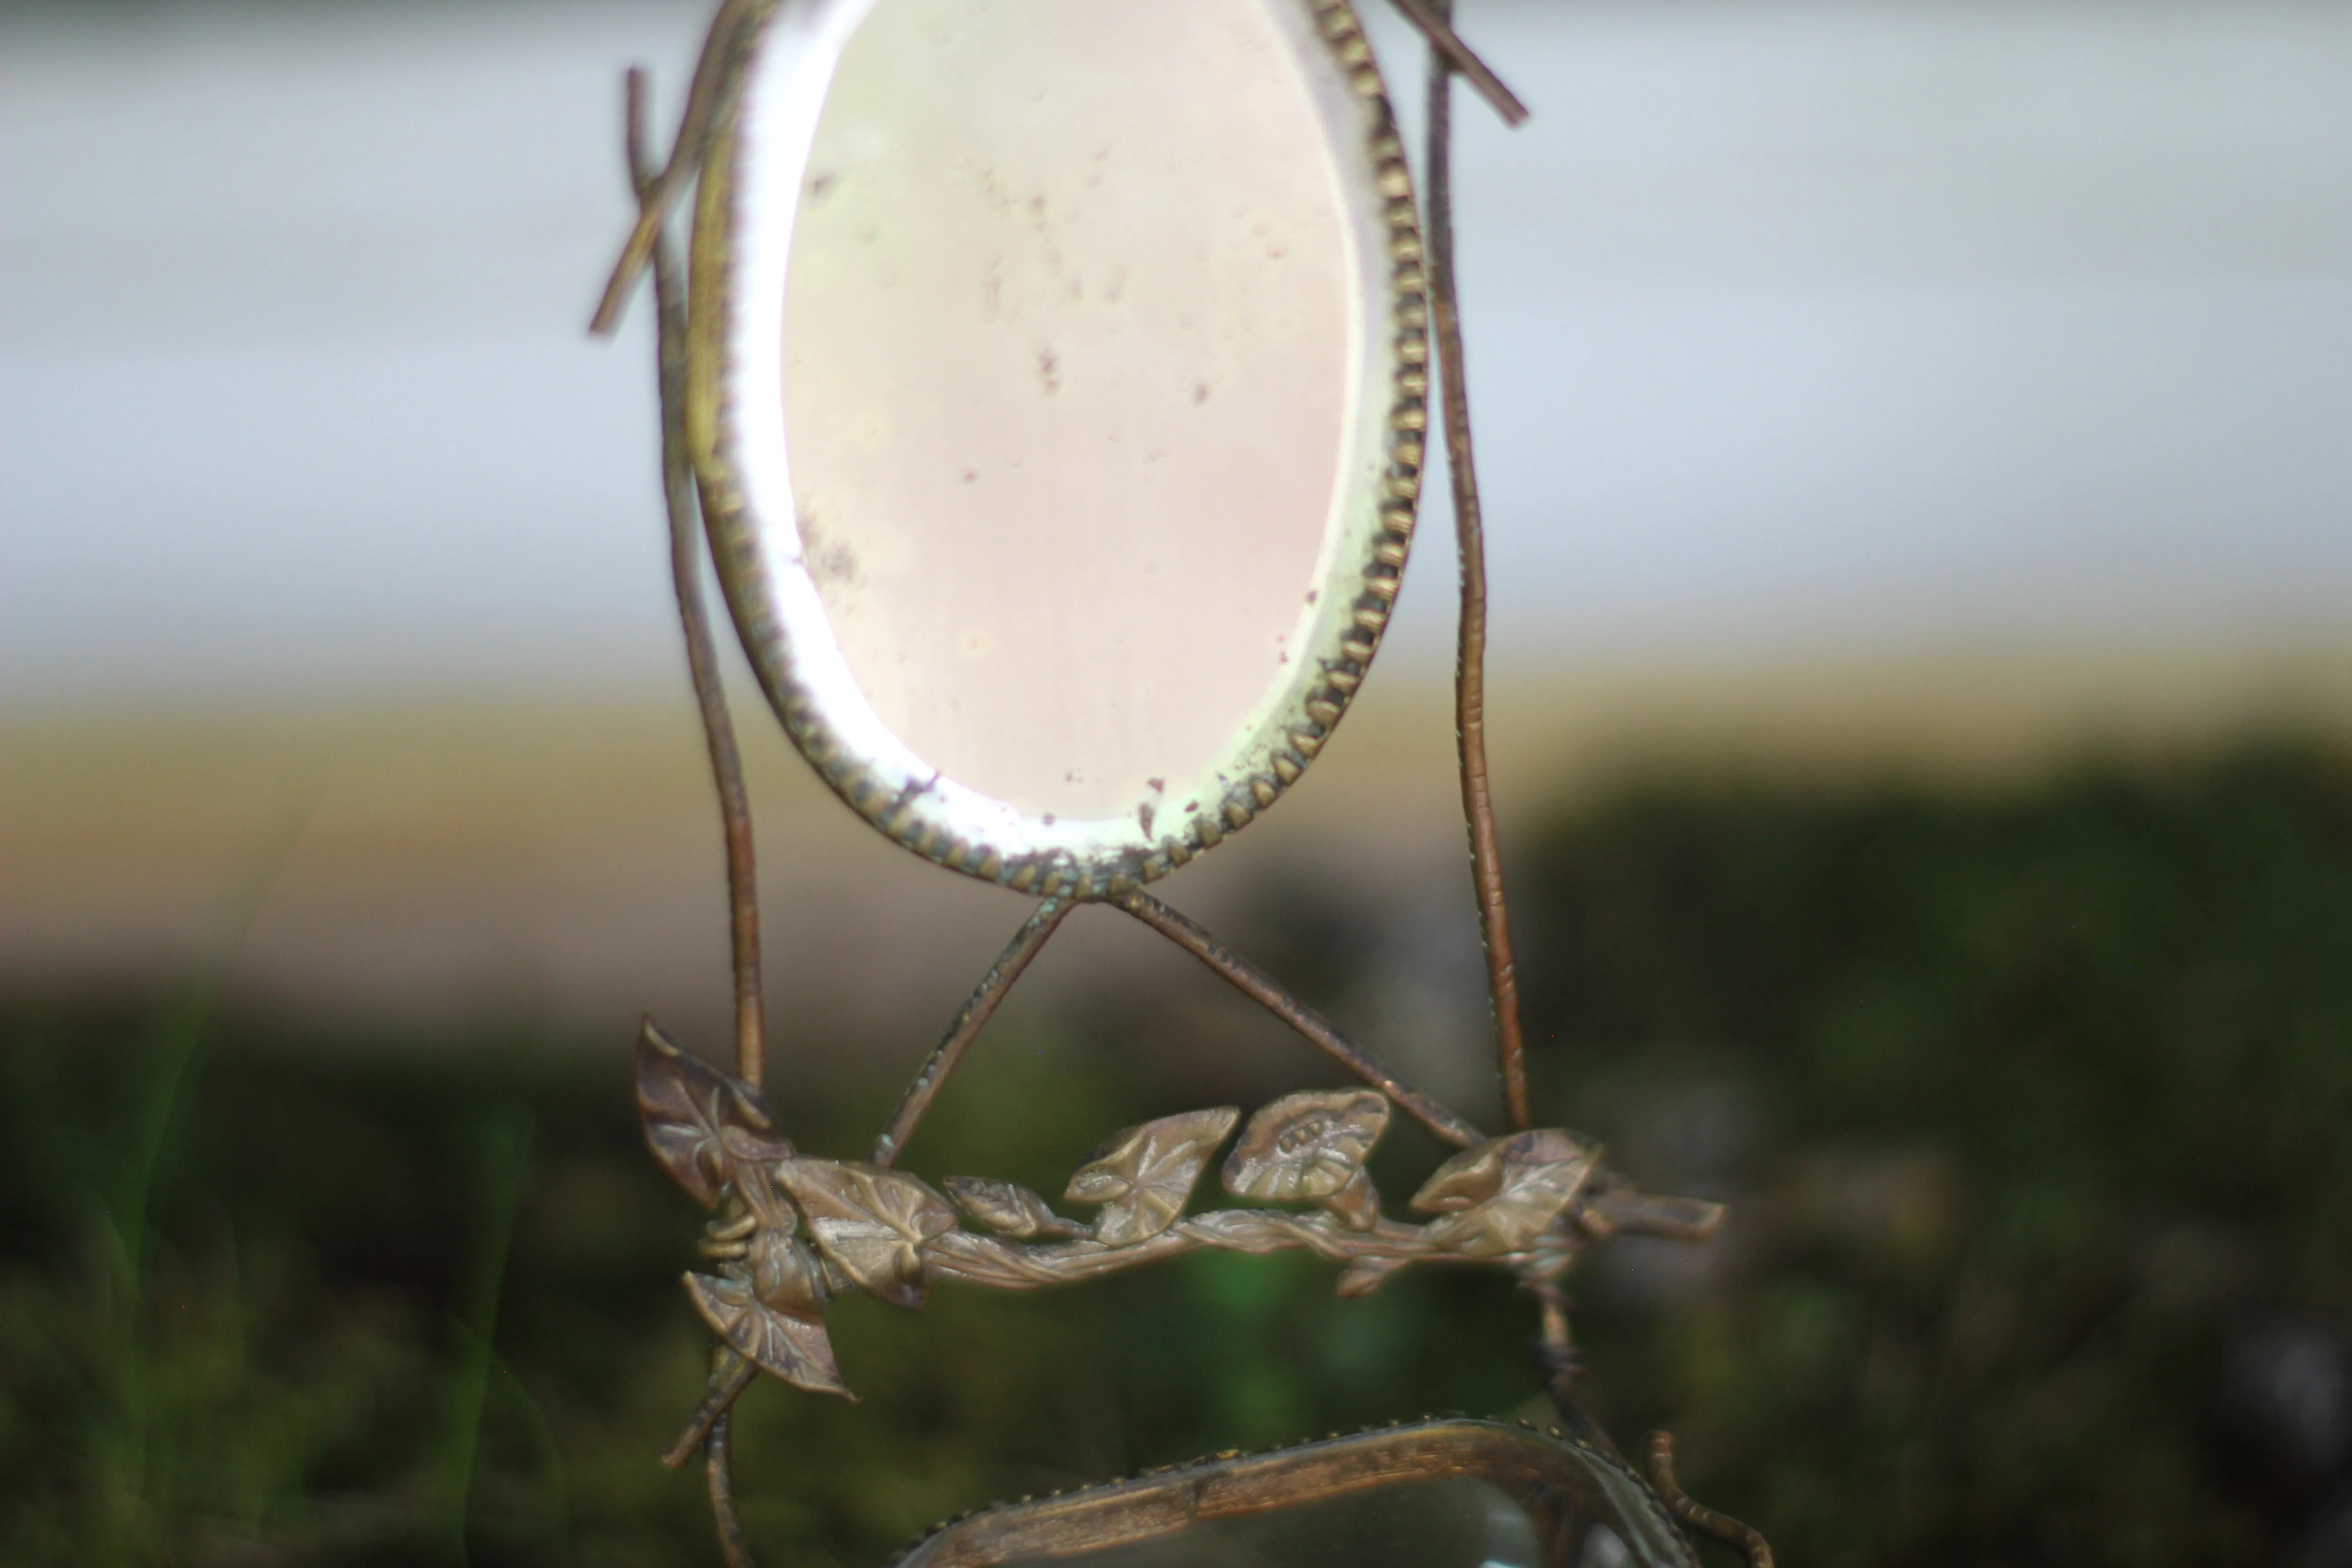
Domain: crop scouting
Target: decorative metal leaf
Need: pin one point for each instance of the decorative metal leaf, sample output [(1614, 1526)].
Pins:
[(1357, 1204), (1366, 1275), (1247, 1230), (1008, 1208), (755, 1183), (795, 1348), (1643, 1214), (698, 1121), (1143, 1176), (1470, 1177), (1307, 1146), (1499, 1196), (786, 1276), (870, 1221), (1476, 1175), (1272, 1230)]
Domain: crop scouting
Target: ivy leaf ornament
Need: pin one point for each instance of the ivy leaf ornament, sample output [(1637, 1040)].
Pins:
[(1008, 1208), (786, 1276), (700, 1123), (1366, 1275), (1143, 1176), (1614, 1208), (794, 1348), (869, 1221), (1498, 1196), (1311, 1147)]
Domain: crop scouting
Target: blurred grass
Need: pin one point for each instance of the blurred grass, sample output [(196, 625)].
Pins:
[(2033, 1106), (2049, 1105)]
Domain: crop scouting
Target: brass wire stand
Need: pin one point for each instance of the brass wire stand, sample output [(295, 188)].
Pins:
[(1528, 1201)]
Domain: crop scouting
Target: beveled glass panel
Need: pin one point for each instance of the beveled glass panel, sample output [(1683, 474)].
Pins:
[(1070, 386)]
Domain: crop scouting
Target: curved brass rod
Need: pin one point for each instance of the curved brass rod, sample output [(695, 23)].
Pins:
[(1562, 1368), (1026, 944), (1722, 1526), (693, 613), (1268, 993), (712, 76), (718, 1468), (1431, 18), (658, 192), (731, 1374), (1470, 660)]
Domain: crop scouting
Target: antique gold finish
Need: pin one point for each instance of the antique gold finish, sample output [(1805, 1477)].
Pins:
[(1431, 16), (1026, 944), (657, 194), (1722, 1526), (1565, 1485), (790, 1233), (793, 1233), (1470, 659), (1311, 1147), (1258, 986), (731, 1374), (734, 1550), (686, 572)]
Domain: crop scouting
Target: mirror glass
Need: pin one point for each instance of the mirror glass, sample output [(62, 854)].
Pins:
[(1065, 387)]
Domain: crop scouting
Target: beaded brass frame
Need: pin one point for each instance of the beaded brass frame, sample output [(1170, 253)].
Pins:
[(1113, 854), (791, 1233)]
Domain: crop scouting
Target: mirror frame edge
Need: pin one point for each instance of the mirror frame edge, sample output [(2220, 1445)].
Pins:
[(1284, 742)]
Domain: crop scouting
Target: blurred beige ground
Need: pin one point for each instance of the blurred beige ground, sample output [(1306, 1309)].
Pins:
[(412, 871)]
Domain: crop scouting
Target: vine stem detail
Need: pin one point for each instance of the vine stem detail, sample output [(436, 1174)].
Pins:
[(1470, 660), (1026, 944), (730, 1372), (658, 191), (734, 1548), (679, 496), (1268, 993), (1698, 1516), (794, 1233), (1431, 18)]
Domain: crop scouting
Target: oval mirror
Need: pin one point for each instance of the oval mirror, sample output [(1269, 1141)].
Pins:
[(1062, 425)]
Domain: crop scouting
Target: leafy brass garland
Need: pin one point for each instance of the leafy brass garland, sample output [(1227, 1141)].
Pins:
[(792, 1232)]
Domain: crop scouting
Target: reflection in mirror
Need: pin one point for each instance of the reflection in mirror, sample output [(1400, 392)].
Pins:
[(1451, 1521), (1072, 380)]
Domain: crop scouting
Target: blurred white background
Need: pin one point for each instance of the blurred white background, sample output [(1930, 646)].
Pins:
[(1801, 329), (1954, 382)]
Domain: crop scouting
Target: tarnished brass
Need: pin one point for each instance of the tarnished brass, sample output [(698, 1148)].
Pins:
[(1469, 531), (1747, 1537), (1568, 1490), (791, 1232), (1270, 993)]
